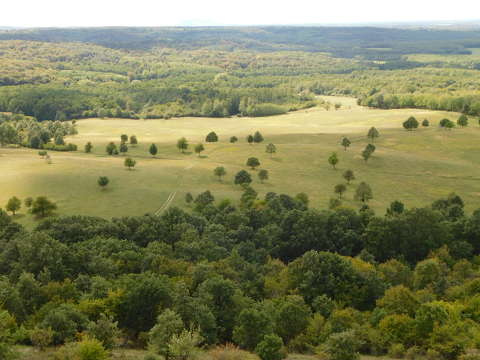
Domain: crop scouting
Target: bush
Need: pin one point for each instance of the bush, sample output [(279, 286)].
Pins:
[(270, 348), (396, 351), (413, 353), (230, 352), (343, 346), (91, 349), (105, 330), (185, 345), (55, 147), (41, 338), (472, 356), (433, 355)]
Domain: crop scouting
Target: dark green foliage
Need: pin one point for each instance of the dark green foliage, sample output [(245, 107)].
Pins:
[(233, 139), (411, 123), (211, 137), (242, 178), (462, 120), (257, 137), (363, 192), (88, 147), (346, 143), (153, 150), (42, 207), (182, 144), (103, 181), (270, 348), (349, 176), (130, 163), (253, 162)]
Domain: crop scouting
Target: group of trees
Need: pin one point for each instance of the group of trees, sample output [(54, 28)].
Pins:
[(40, 207), (271, 275), (26, 131)]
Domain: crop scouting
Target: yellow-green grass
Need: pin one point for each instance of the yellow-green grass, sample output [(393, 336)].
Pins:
[(415, 167)]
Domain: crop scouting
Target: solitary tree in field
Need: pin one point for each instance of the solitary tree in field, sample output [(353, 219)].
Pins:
[(219, 171), (123, 148), (349, 176), (271, 149), (363, 192), (182, 144), (133, 140), (13, 205), (462, 120), (333, 160), (373, 134), (129, 163), (346, 143), (411, 123), (103, 182), (153, 150), (250, 139), (188, 198), (425, 123), (396, 208), (368, 151), (211, 137), (233, 139), (199, 148), (42, 154), (88, 147), (257, 137), (242, 178), (253, 162), (340, 189), (111, 148), (42, 207), (123, 138), (263, 175)]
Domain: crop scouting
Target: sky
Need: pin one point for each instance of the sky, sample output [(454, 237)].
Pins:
[(67, 13)]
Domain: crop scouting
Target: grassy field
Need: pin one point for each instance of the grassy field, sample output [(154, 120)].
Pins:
[(415, 167)]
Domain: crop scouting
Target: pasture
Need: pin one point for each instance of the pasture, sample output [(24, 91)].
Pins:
[(416, 167)]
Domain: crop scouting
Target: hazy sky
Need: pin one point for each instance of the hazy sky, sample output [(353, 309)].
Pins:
[(224, 12)]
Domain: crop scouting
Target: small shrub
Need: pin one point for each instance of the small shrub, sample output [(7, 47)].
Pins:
[(91, 349), (396, 351), (41, 338), (433, 355), (343, 346), (270, 348), (230, 352), (413, 353)]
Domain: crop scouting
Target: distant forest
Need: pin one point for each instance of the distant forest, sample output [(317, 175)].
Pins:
[(62, 74)]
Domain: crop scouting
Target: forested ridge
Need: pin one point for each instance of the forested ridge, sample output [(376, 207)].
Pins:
[(168, 72)]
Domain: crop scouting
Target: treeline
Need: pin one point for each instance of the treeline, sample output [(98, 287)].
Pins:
[(269, 273), (18, 130)]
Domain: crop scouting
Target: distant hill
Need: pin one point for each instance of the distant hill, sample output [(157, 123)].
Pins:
[(370, 42)]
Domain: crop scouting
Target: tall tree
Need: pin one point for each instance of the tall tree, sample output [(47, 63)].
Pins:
[(346, 143), (199, 148), (363, 192), (13, 205), (257, 137), (103, 182), (333, 160), (153, 150), (462, 120), (340, 189), (373, 134), (182, 144), (211, 137), (253, 162), (349, 176), (271, 149), (243, 178), (250, 139), (130, 163), (123, 148), (411, 123), (219, 171), (263, 175), (42, 207), (88, 147)]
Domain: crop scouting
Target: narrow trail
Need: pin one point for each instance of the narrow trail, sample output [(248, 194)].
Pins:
[(172, 195)]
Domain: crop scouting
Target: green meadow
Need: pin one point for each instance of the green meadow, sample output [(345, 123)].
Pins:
[(416, 167)]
